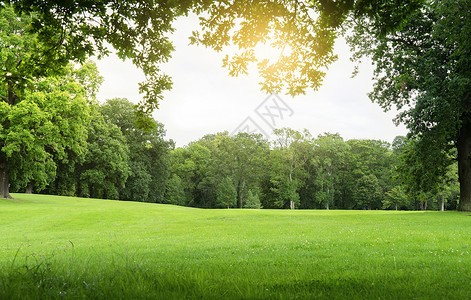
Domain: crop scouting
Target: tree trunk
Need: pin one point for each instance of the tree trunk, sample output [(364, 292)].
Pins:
[(4, 179), (327, 200), (442, 199), (29, 188), (464, 165), (291, 202), (242, 193), (4, 172), (423, 205)]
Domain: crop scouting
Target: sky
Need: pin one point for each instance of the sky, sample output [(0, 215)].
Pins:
[(205, 99)]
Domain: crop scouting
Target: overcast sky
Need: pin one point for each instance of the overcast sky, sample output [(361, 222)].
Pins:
[(205, 99)]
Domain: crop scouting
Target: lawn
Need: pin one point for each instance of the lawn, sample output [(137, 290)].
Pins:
[(73, 248)]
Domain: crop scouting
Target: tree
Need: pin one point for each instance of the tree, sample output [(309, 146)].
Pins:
[(175, 193), (448, 194), (137, 30), (368, 193), (148, 152), (190, 163), (249, 151), (252, 201), (370, 157), (226, 194), (422, 172), (205, 163), (138, 183), (43, 119), (423, 69), (290, 155), (105, 169), (47, 127), (39, 118), (396, 198), (240, 157), (330, 152)]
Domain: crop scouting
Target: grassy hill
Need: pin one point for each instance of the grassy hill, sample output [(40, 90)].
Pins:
[(65, 247)]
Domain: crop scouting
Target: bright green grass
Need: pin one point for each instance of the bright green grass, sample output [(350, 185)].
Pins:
[(61, 247)]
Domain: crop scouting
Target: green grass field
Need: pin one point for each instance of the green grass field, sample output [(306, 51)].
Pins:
[(63, 247)]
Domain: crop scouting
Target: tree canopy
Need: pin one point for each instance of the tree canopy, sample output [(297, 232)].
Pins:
[(42, 117), (304, 32)]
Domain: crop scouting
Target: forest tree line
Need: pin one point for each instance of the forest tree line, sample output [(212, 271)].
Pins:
[(292, 170)]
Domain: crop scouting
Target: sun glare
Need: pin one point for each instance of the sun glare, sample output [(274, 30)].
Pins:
[(273, 54)]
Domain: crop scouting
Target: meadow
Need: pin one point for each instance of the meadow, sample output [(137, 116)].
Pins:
[(71, 248)]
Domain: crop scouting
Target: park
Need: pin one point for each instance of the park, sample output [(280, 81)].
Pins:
[(97, 201)]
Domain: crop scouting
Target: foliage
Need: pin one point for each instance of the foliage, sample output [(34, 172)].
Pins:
[(250, 150), (39, 118), (20, 56), (288, 159), (239, 157), (138, 30), (121, 161), (302, 32), (175, 193), (148, 152), (328, 159), (226, 194), (138, 184), (368, 192), (307, 173), (396, 198), (422, 70), (43, 112), (252, 201), (190, 164), (44, 126), (419, 174), (104, 172)]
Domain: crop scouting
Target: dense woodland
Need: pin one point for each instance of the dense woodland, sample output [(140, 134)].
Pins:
[(293, 170)]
